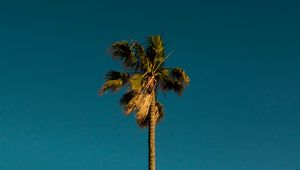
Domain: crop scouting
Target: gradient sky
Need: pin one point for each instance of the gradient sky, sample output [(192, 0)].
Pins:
[(240, 112)]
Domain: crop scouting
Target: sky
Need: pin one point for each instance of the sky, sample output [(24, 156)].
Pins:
[(241, 110)]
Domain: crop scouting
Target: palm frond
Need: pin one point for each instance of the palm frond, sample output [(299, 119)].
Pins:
[(136, 82), (138, 49), (123, 51), (136, 102), (162, 74), (155, 49), (143, 122), (140, 55), (169, 84), (180, 75), (126, 101), (114, 75), (156, 43), (113, 85), (159, 114), (143, 106), (114, 81), (159, 61)]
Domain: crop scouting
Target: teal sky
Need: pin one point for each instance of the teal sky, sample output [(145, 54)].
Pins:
[(240, 112)]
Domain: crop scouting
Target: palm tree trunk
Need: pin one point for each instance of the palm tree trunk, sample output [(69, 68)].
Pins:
[(151, 133)]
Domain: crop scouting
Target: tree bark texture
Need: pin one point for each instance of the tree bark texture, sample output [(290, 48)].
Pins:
[(151, 133)]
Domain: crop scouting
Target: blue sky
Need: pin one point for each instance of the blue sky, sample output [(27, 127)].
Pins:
[(240, 112)]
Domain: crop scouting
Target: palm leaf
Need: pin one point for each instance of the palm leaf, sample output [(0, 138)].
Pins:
[(136, 82), (156, 43), (159, 114), (180, 75), (155, 49), (114, 75), (143, 122), (134, 102), (143, 106), (169, 84), (113, 85), (125, 101), (123, 51), (114, 81), (162, 74)]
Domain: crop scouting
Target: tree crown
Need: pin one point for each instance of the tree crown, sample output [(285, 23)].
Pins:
[(145, 73)]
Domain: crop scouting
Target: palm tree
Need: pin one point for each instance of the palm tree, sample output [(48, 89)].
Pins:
[(145, 74)]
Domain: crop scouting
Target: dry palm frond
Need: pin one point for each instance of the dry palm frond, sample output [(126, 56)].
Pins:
[(143, 123), (143, 105), (158, 115), (132, 101), (126, 99), (132, 106), (159, 112)]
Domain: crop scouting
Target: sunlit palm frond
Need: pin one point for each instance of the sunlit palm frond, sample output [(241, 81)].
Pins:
[(136, 82), (156, 43), (114, 81), (143, 107), (113, 85), (159, 61), (143, 122), (134, 102), (131, 106), (155, 49), (159, 51), (123, 51), (126, 99)]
